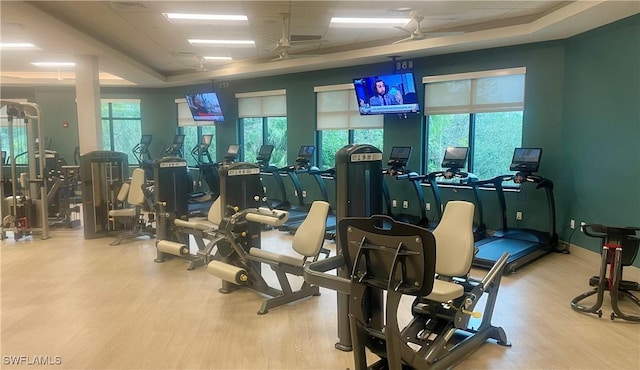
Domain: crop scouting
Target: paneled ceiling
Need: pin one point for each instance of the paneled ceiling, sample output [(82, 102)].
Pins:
[(136, 44)]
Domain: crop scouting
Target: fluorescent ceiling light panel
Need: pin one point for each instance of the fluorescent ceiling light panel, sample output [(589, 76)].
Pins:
[(221, 42), (16, 45), (206, 17), (54, 64), (217, 58), (371, 21)]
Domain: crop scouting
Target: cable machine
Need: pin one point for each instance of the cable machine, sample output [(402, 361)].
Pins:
[(27, 213)]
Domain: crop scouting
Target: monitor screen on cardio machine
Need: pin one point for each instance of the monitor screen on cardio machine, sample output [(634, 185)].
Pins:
[(526, 159), (455, 157), (145, 139), (306, 151), (205, 142), (264, 154), (178, 139), (232, 152), (400, 154)]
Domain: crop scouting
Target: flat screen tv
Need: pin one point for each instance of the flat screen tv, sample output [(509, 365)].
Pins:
[(455, 157), (526, 159), (386, 94), (205, 107)]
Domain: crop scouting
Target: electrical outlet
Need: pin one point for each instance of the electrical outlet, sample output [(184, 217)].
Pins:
[(582, 225), (572, 224), (394, 204), (405, 204), (519, 216), (304, 193), (295, 193), (427, 207), (264, 189)]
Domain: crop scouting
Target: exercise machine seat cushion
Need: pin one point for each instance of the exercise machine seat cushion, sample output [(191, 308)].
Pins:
[(307, 241), (135, 195), (309, 237), (211, 222), (454, 250)]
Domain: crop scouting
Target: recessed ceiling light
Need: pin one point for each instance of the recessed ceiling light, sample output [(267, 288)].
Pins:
[(16, 45), (217, 58), (54, 64), (221, 42), (371, 21), (206, 17)]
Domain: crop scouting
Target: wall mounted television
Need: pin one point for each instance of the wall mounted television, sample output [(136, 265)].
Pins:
[(205, 107), (387, 94)]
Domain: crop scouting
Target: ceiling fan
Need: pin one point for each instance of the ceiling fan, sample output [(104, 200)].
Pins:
[(418, 34), (285, 43)]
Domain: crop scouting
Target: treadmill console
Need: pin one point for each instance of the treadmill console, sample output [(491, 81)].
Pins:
[(304, 156), (264, 154), (232, 153), (526, 160), (454, 159), (399, 156)]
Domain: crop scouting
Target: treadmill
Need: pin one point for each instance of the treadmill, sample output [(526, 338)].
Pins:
[(398, 168), (303, 165), (263, 159), (455, 159), (297, 213), (523, 245)]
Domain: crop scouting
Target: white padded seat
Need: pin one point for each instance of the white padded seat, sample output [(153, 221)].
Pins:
[(454, 250), (214, 216)]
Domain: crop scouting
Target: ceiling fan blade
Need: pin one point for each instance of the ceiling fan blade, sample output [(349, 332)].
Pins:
[(403, 29)]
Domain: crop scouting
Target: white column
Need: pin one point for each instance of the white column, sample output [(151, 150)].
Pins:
[(88, 103)]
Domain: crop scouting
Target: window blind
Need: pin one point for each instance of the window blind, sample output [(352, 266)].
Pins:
[(477, 92), (271, 103), (337, 109)]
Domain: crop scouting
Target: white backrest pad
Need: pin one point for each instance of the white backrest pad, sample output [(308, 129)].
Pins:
[(215, 212), (124, 191), (136, 195), (309, 237), (454, 239)]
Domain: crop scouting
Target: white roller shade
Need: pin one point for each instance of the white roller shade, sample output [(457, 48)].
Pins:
[(489, 91), (337, 109), (271, 103)]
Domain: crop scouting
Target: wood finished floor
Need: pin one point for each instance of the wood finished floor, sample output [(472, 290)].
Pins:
[(111, 307)]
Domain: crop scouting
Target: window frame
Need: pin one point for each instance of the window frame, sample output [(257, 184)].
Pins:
[(472, 109), (110, 119)]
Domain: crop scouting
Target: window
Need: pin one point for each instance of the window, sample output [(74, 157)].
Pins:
[(481, 110), (263, 120), (193, 132), (339, 123), (121, 125), (19, 132)]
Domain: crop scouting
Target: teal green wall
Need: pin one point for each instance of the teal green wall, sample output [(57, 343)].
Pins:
[(582, 104), (600, 152)]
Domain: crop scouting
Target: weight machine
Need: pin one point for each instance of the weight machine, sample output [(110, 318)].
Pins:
[(26, 213)]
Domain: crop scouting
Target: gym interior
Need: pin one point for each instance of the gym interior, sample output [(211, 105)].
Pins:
[(186, 251)]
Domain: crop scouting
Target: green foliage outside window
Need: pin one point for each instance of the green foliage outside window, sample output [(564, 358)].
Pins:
[(334, 140), (254, 137), (122, 122), (495, 135)]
